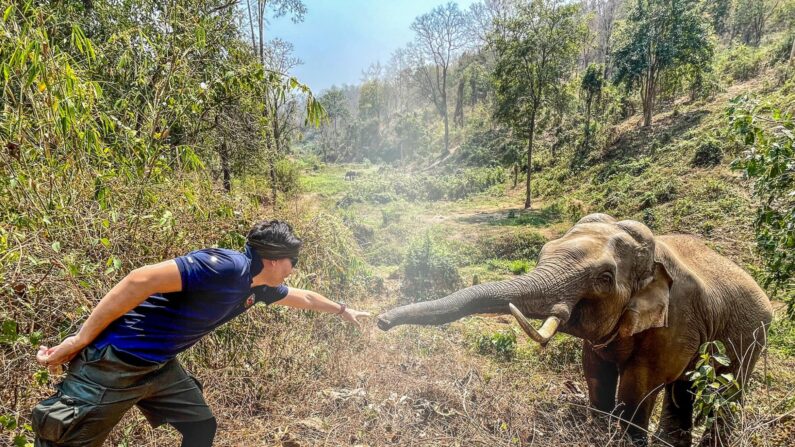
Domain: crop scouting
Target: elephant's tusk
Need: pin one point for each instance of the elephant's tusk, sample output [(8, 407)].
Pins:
[(542, 335)]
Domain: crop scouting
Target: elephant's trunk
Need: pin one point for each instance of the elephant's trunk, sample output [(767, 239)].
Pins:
[(543, 293)]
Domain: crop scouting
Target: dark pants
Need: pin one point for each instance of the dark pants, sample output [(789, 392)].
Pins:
[(99, 388)]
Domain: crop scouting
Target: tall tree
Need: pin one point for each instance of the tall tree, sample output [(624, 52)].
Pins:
[(537, 52), (336, 106), (660, 35), (257, 13), (440, 36), (591, 87), (749, 19), (605, 19)]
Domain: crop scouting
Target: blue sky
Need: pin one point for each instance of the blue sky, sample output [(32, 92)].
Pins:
[(340, 38)]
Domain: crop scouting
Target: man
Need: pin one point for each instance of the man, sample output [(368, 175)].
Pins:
[(125, 352)]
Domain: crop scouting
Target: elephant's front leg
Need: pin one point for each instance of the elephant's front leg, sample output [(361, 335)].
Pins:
[(602, 378), (676, 421), (637, 391)]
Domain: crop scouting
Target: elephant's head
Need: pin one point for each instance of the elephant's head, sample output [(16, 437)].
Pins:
[(600, 279)]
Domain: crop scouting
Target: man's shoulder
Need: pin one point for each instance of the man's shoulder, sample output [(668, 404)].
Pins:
[(217, 264)]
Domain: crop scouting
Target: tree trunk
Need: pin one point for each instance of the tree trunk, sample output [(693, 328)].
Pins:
[(528, 203), (474, 91), (444, 113), (515, 174), (458, 117), (446, 133), (272, 169), (586, 140), (227, 175), (648, 99), (792, 52)]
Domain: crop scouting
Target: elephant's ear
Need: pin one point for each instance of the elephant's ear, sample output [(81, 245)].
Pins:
[(648, 307)]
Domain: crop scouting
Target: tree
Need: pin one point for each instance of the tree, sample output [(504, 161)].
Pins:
[(591, 86), (537, 52), (660, 35), (257, 13), (750, 18), (336, 106), (606, 12), (440, 36)]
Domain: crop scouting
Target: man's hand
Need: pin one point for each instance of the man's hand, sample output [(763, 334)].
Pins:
[(56, 356), (352, 316)]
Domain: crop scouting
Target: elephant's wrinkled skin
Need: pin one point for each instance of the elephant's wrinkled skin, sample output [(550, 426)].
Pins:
[(642, 305)]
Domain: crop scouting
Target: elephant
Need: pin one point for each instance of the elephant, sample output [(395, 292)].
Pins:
[(642, 305)]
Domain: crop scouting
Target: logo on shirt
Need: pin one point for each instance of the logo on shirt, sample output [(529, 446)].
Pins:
[(250, 301)]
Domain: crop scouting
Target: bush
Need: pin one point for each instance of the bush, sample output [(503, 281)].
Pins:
[(423, 187), (519, 267), (518, 245), (741, 62), (501, 344), (429, 271), (287, 176), (709, 153)]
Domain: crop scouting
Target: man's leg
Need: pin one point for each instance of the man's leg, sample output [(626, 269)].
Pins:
[(82, 412), (176, 398), (197, 434)]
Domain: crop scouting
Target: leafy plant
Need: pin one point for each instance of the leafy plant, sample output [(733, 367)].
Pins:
[(716, 394), (429, 271), (768, 135), (519, 266), (501, 344)]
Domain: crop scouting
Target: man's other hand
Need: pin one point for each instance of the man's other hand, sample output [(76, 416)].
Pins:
[(56, 356)]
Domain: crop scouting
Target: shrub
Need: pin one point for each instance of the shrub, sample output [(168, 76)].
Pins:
[(516, 245), (716, 395), (287, 176), (709, 153), (501, 344), (429, 271), (519, 266), (423, 187), (741, 62)]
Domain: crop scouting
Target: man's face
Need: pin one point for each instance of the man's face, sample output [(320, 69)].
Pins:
[(277, 270)]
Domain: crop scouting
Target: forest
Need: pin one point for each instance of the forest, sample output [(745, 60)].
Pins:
[(136, 131)]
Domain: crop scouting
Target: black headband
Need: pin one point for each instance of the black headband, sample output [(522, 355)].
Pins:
[(268, 250)]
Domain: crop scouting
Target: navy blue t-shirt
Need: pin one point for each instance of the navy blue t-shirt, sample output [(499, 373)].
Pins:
[(216, 287)]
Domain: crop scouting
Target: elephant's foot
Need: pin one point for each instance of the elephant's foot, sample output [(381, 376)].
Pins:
[(675, 437)]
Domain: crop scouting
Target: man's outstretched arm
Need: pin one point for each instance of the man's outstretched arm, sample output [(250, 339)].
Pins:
[(137, 286), (306, 299)]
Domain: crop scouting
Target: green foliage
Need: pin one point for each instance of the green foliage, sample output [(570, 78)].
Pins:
[(768, 135), (287, 176), (660, 36), (429, 270), (519, 267), (591, 84), (501, 344), (511, 245), (387, 187), (740, 62), (536, 51), (716, 395)]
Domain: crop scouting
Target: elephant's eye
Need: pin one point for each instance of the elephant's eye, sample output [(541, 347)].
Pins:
[(606, 278)]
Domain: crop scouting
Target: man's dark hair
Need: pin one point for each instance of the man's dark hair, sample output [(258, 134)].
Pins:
[(274, 240)]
